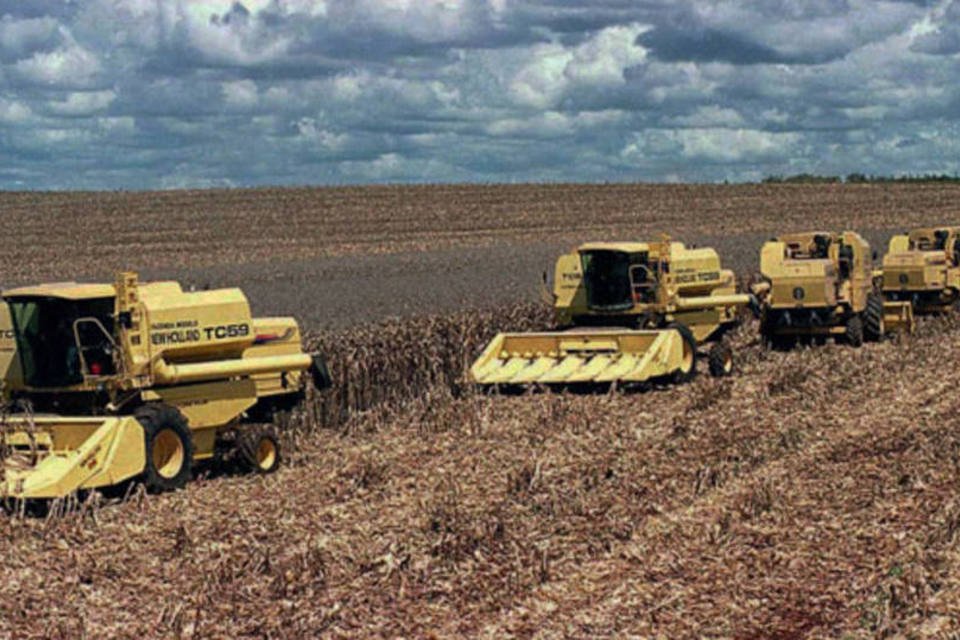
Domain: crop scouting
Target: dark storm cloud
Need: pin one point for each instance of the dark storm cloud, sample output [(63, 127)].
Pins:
[(142, 93), (772, 31), (702, 44)]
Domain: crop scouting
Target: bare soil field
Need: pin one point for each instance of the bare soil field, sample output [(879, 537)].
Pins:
[(339, 256), (813, 494)]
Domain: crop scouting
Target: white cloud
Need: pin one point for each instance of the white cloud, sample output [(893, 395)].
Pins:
[(312, 8), (711, 144), (237, 43), (83, 103), (316, 137), (541, 83), (14, 112), (734, 144), (60, 138), (871, 112), (365, 90), (120, 125), (68, 66), (184, 177), (553, 124), (240, 94), (600, 61), (423, 20)]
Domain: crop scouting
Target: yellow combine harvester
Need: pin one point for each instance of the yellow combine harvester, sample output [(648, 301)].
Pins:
[(629, 312), (821, 284), (139, 380), (923, 267)]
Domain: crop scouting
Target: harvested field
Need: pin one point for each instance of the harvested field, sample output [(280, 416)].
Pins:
[(813, 494), (339, 256)]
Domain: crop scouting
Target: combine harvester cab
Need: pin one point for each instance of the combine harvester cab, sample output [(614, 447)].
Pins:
[(629, 313), (140, 381), (820, 284), (922, 267)]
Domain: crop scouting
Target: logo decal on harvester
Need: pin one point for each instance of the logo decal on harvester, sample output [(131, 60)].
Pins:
[(688, 275), (167, 333)]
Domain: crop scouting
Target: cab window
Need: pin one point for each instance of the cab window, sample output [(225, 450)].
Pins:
[(47, 342)]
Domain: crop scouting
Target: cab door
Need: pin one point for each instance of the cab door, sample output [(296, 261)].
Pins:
[(570, 293)]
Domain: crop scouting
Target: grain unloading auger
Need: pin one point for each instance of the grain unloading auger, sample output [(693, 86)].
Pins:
[(629, 312), (140, 380)]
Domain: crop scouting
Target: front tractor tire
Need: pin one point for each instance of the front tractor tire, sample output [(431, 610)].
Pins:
[(720, 360), (258, 450), (853, 331), (688, 366), (873, 328), (168, 447)]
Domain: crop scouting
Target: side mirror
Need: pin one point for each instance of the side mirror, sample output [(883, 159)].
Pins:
[(546, 295)]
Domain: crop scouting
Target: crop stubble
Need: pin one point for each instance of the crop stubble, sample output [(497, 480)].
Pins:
[(813, 494)]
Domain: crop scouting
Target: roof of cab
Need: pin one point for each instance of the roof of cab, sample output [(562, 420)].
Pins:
[(626, 247), (63, 290), (804, 235)]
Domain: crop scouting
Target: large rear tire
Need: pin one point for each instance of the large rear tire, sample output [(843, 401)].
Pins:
[(853, 330), (168, 447), (873, 328), (688, 366)]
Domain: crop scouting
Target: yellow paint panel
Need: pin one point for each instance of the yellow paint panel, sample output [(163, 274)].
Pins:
[(209, 405), (125, 458)]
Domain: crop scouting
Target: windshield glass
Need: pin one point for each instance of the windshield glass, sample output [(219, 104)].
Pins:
[(46, 343), (607, 277)]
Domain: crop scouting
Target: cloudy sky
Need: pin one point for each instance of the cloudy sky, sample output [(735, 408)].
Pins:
[(137, 94)]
